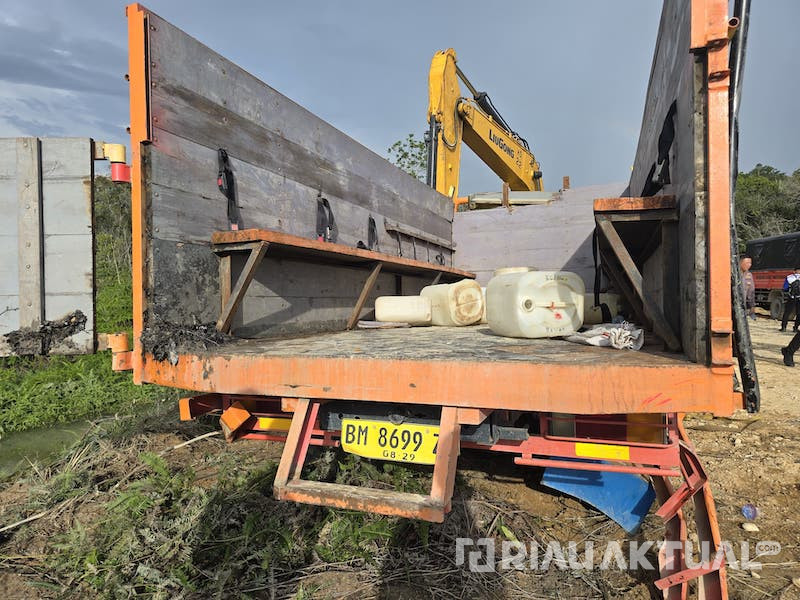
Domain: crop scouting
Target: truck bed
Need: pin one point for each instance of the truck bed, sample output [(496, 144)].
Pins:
[(466, 367), (447, 344)]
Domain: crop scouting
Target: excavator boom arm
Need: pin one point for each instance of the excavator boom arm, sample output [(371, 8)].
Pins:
[(455, 119)]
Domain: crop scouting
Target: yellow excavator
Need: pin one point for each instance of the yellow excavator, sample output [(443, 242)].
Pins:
[(453, 118)]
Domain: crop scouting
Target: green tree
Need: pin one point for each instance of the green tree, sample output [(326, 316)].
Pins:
[(767, 203), (411, 155)]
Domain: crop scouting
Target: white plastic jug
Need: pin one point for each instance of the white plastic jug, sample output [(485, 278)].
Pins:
[(507, 270), (536, 304), (592, 315), (455, 304), (414, 310)]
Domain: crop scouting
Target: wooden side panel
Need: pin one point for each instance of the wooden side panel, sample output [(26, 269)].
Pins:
[(283, 157), (292, 296), (672, 142), (46, 239), (551, 237)]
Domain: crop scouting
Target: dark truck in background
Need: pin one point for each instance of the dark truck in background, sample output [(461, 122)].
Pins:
[(773, 259)]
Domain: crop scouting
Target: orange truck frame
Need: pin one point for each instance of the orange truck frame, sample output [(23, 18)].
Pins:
[(626, 411)]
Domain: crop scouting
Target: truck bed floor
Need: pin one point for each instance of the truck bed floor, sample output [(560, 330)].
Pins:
[(471, 344)]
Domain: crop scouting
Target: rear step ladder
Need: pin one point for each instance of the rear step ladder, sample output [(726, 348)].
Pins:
[(433, 507)]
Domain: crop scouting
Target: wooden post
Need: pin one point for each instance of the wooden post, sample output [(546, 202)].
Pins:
[(368, 285), (444, 469), (237, 294), (224, 279), (660, 325), (618, 279)]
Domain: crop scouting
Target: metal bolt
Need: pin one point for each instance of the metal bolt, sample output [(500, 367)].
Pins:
[(27, 266)]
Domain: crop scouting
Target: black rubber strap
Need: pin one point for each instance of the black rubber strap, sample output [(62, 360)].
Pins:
[(604, 310)]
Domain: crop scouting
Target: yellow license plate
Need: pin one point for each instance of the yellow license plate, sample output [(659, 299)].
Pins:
[(407, 442)]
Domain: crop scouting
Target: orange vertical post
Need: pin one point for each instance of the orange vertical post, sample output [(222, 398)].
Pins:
[(139, 130)]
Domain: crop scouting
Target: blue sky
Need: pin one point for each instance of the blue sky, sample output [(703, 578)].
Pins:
[(570, 76)]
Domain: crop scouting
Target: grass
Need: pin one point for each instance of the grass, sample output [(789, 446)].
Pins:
[(148, 522), (40, 391)]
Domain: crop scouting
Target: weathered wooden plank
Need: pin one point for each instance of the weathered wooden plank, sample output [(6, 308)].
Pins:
[(637, 203), (621, 284), (670, 277), (677, 88), (630, 268), (188, 114), (290, 296), (650, 215), (183, 61), (242, 283), (282, 157), (184, 284), (554, 237), (29, 223), (362, 298), (475, 344), (317, 250), (651, 305), (181, 216), (225, 279)]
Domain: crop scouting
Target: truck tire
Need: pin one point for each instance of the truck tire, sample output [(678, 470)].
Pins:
[(776, 306)]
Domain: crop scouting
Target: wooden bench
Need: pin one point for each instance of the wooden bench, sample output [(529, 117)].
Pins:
[(256, 242)]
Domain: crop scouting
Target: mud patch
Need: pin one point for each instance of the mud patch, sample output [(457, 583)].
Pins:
[(28, 341), (166, 341)]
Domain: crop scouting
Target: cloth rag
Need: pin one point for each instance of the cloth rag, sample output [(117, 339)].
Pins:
[(617, 335)]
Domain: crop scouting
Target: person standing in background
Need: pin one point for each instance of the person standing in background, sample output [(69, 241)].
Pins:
[(748, 286), (791, 285), (788, 351)]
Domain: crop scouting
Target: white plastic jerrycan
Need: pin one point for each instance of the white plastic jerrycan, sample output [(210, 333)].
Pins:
[(593, 315), (414, 310), (455, 304), (536, 304)]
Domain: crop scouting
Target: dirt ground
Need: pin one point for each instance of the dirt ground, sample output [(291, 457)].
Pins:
[(749, 459)]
